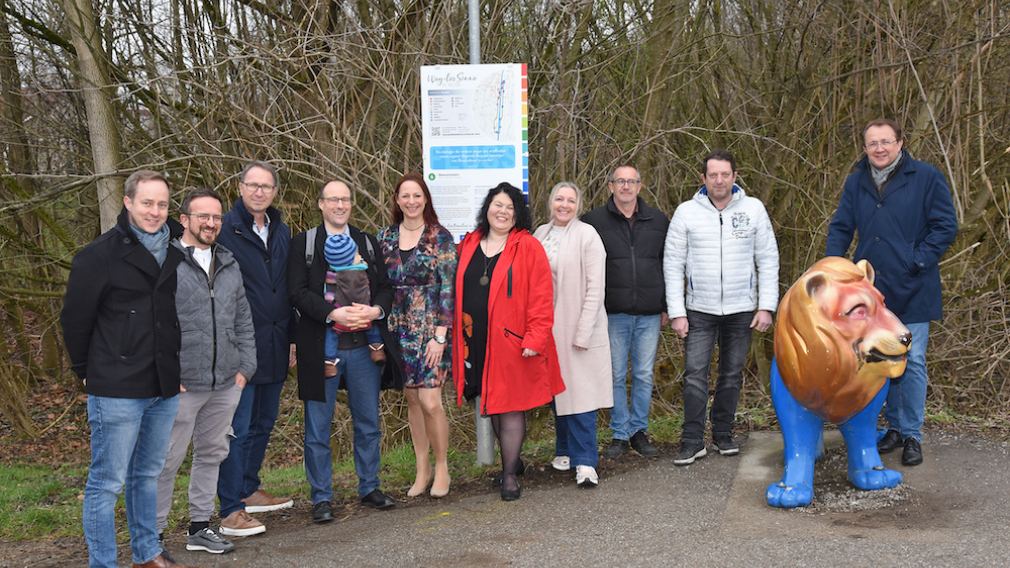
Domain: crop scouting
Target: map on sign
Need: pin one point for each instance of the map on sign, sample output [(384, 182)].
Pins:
[(474, 127)]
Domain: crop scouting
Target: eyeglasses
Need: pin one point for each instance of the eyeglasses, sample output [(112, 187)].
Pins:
[(265, 188), (622, 181), (204, 217), (336, 200), (880, 144)]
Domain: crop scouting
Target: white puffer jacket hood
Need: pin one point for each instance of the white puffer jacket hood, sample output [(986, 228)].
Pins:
[(727, 260)]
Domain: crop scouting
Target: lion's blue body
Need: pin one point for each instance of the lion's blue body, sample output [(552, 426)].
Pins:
[(802, 431)]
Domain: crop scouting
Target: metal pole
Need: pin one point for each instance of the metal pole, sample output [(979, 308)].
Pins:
[(485, 437)]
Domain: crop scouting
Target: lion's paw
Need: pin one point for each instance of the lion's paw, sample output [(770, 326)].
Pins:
[(789, 496), (875, 478)]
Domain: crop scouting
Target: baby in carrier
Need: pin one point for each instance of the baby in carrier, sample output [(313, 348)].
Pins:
[(347, 283)]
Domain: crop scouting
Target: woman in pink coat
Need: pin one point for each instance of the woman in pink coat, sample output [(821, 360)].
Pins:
[(578, 266)]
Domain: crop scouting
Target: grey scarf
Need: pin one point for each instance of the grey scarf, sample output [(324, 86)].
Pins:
[(880, 176), (155, 243)]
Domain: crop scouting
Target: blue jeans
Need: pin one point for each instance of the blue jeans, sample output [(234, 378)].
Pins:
[(372, 336), (575, 437), (905, 410), (636, 337), (129, 441), (254, 419), (361, 378), (732, 333)]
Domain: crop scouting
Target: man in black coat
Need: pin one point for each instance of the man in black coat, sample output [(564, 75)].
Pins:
[(356, 371), (633, 234), (122, 335)]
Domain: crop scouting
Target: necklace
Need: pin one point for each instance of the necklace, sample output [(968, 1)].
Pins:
[(484, 279), (406, 228)]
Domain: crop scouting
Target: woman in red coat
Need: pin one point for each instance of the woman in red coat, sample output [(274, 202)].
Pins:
[(503, 321)]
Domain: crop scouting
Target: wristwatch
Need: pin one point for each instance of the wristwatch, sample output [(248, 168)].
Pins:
[(440, 339)]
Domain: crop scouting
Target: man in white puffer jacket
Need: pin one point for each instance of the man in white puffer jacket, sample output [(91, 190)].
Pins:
[(721, 246)]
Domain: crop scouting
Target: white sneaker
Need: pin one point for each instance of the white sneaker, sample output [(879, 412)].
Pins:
[(561, 463), (585, 476)]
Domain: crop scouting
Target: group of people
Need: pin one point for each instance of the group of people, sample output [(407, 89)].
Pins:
[(183, 332)]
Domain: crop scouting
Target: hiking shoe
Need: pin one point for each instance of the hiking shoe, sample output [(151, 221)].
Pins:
[(641, 444), (726, 445), (240, 523), (688, 452), (912, 453), (585, 477), (890, 442), (616, 449), (561, 463), (262, 502), (209, 541)]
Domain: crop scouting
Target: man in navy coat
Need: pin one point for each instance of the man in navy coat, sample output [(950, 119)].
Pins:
[(901, 209), (258, 238)]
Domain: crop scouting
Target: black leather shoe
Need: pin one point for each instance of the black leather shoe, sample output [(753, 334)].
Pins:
[(641, 444), (912, 454), (377, 500), (496, 482), (511, 494), (890, 442), (616, 449), (322, 512)]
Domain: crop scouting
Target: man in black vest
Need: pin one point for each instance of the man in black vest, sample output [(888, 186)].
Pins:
[(633, 234)]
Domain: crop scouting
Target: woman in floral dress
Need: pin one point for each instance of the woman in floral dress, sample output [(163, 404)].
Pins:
[(421, 261)]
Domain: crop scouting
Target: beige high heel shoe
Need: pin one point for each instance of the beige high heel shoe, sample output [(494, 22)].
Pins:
[(439, 492), (416, 490)]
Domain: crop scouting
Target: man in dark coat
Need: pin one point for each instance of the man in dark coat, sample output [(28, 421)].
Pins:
[(122, 335), (902, 211), (257, 237), (355, 369), (633, 234)]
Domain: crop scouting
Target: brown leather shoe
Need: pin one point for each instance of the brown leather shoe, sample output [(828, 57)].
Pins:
[(161, 562), (240, 523), (262, 502)]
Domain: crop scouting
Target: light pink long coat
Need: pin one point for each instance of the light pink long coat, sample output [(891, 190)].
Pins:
[(580, 319)]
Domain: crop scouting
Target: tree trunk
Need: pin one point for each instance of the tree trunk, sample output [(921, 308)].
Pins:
[(97, 91)]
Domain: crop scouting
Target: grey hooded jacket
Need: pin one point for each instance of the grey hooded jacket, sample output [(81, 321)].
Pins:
[(218, 338)]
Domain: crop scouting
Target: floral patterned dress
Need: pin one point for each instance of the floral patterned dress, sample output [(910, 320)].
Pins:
[(423, 299)]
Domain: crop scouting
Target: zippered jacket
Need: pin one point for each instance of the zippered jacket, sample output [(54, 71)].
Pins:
[(726, 261), (218, 338), (634, 257)]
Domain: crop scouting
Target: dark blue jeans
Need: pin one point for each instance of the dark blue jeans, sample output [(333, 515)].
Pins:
[(575, 437), (254, 420), (704, 331), (361, 378)]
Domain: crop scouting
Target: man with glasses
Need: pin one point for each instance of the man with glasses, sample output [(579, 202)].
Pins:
[(633, 233), (218, 354), (722, 270), (355, 370), (903, 213), (255, 234)]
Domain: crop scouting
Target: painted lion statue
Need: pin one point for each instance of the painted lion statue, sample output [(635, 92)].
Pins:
[(836, 347)]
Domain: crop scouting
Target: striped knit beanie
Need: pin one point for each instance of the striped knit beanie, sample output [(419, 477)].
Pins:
[(340, 250)]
